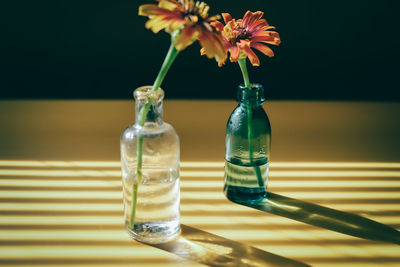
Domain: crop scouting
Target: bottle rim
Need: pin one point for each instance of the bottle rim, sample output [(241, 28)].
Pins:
[(145, 92), (256, 93), (254, 86)]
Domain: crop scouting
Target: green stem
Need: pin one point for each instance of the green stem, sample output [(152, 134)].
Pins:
[(247, 84), (169, 59), (243, 68)]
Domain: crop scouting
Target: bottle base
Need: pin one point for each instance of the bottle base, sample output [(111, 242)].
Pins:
[(154, 232), (245, 195)]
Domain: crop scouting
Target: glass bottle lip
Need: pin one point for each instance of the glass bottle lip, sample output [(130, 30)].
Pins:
[(145, 92), (255, 94)]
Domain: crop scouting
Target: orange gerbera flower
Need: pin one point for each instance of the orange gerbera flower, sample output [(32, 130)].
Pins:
[(243, 34), (192, 19)]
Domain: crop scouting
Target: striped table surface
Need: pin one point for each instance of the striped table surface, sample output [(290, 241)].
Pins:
[(70, 213)]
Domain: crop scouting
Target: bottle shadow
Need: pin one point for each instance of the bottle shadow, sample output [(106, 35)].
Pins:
[(335, 220), (212, 250)]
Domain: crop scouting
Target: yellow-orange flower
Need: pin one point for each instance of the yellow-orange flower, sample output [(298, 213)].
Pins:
[(241, 35), (192, 19)]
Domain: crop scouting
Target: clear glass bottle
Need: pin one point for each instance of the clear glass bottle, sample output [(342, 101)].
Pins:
[(155, 193), (247, 147)]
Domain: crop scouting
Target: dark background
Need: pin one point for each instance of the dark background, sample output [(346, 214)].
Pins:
[(98, 49)]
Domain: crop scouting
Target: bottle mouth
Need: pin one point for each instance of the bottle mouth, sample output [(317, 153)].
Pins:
[(145, 92), (255, 93)]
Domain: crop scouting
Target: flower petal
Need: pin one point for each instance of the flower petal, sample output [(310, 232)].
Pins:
[(185, 38), (257, 25), (173, 26), (221, 63), (264, 33), (252, 57), (266, 37), (213, 45), (218, 25), (235, 52), (156, 24), (227, 17), (245, 45), (203, 9), (249, 18), (151, 10), (160, 18), (168, 4), (213, 18), (263, 49)]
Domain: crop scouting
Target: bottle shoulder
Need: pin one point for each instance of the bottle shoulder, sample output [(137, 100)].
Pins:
[(149, 130), (241, 111), (238, 121)]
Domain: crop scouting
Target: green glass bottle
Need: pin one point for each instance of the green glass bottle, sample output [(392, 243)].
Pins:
[(248, 145)]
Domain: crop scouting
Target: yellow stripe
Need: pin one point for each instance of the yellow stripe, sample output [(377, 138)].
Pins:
[(304, 195), (170, 261), (338, 251), (252, 220), (12, 172), (333, 183), (68, 235), (321, 262), (303, 174), (60, 183), (335, 173), (16, 172), (113, 235), (348, 207), (283, 237), (144, 252), (205, 164), (192, 263), (138, 255), (190, 164), (60, 207), (70, 252), (367, 165), (52, 163), (64, 220), (203, 184), (61, 195), (198, 195)]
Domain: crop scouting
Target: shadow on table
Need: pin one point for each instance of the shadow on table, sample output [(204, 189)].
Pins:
[(331, 219), (212, 250)]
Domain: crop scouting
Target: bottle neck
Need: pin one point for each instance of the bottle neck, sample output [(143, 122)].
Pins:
[(254, 96), (149, 106), (154, 115)]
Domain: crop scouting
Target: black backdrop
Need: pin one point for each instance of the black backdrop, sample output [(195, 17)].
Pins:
[(100, 49)]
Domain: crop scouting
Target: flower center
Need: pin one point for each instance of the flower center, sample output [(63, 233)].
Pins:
[(243, 34), (192, 17), (234, 32), (239, 34), (195, 12)]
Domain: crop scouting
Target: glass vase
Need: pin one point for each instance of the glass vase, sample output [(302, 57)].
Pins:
[(150, 171), (248, 145)]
